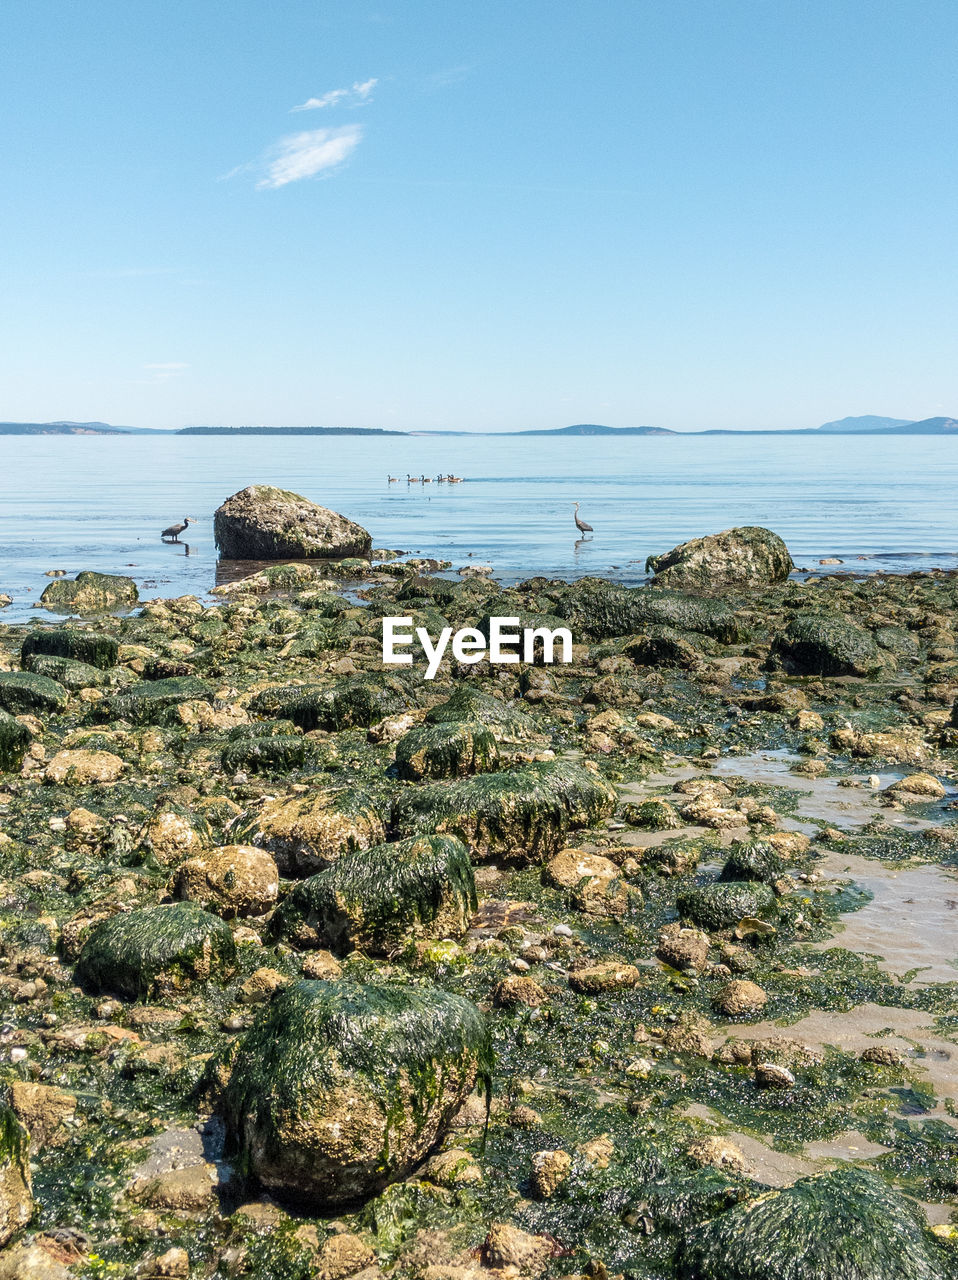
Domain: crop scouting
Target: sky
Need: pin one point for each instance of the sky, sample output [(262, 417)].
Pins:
[(442, 214)]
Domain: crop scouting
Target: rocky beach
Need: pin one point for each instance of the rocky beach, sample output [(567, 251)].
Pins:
[(641, 965)]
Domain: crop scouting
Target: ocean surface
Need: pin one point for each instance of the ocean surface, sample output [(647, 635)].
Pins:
[(99, 502)]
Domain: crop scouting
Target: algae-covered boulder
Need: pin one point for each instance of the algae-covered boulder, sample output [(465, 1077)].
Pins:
[(339, 1088), (90, 593), (234, 880), (473, 706), (23, 691), (753, 860), (71, 642), (745, 557), (455, 749), (14, 741), (844, 1225), (601, 611), (16, 1198), (154, 701), (155, 951), (356, 702), (521, 816), (278, 753), (375, 899), (827, 645), (306, 833), (71, 674), (265, 523), (663, 647), (723, 905)]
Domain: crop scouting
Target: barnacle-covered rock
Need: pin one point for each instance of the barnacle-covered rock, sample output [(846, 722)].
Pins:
[(749, 556), (340, 1088), (454, 749), (307, 832), (521, 816), (155, 951), (375, 899), (262, 522), (234, 880)]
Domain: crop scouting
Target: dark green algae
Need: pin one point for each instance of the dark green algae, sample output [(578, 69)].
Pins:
[(571, 1062)]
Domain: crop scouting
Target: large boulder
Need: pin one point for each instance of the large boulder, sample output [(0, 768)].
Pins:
[(521, 816), (454, 749), (375, 899), (339, 1088), (306, 833), (154, 701), (354, 702), (746, 557), (600, 610), (265, 523), (156, 951), (16, 1198), (827, 645), (723, 905), (844, 1225), (233, 880), (24, 692), (90, 593)]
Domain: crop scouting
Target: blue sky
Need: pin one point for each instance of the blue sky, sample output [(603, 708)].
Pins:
[(725, 213)]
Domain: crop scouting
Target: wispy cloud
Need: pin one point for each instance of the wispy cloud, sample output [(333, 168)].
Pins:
[(358, 94), (304, 155), (162, 371)]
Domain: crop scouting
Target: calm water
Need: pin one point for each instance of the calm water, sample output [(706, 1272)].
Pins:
[(99, 502)]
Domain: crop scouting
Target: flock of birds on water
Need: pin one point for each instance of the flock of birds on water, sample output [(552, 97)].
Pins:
[(426, 479)]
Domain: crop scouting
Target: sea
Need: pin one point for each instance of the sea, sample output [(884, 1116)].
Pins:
[(878, 504)]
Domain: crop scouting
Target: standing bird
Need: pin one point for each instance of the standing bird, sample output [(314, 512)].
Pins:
[(581, 524), (174, 531)]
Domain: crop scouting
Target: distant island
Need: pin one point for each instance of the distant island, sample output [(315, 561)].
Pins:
[(868, 424)]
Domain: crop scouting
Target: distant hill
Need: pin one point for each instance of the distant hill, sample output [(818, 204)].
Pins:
[(61, 429), (595, 429), (927, 427), (288, 431), (868, 422)]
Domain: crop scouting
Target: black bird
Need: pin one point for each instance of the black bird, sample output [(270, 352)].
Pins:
[(174, 531), (581, 524)]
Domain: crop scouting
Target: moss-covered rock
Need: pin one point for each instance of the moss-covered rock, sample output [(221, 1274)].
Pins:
[(265, 523), (376, 899), (155, 701), (520, 816), (90, 593), (843, 1225), (233, 880), (71, 674), (723, 905), (467, 705), (94, 649), (306, 833), (16, 1198), (748, 556), (753, 860), (339, 1089), (14, 741), (354, 702), (602, 611), (278, 753), (826, 645), (155, 951), (455, 749), (663, 647), (23, 691)]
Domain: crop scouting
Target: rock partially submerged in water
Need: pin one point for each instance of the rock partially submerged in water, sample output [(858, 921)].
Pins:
[(340, 1088), (826, 645), (90, 593), (375, 899), (749, 556), (155, 951), (521, 816), (844, 1225), (264, 523)]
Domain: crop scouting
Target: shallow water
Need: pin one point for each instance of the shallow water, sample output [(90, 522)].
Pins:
[(99, 502)]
